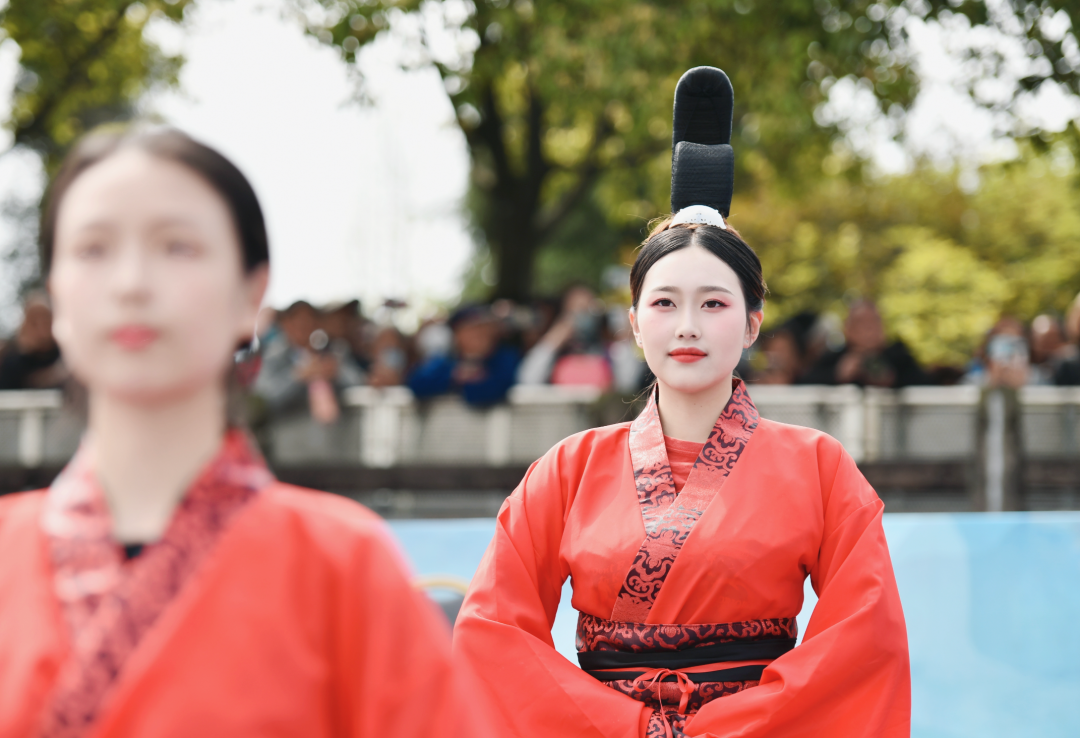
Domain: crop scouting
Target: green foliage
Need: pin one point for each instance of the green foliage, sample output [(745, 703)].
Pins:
[(939, 297), (566, 104), (943, 263), (83, 62), (561, 102)]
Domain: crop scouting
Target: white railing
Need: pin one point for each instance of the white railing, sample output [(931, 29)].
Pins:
[(24, 417), (395, 429), (387, 427), (384, 427)]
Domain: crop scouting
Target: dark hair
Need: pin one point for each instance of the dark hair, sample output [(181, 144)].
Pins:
[(726, 245), (171, 145)]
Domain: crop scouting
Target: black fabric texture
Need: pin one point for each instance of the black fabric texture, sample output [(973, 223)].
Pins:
[(132, 550), (704, 100), (738, 674), (702, 174), (771, 648), (702, 160)]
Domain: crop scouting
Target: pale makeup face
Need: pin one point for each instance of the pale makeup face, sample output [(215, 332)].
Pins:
[(691, 321), (150, 297)]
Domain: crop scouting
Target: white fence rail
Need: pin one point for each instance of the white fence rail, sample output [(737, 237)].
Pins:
[(387, 427)]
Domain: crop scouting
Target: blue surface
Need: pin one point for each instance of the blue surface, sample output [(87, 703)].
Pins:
[(992, 603)]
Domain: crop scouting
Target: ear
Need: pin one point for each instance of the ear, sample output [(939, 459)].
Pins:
[(255, 284), (753, 327), (60, 328), (634, 327)]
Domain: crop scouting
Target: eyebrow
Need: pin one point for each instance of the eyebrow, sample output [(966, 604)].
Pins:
[(165, 222), (706, 288)]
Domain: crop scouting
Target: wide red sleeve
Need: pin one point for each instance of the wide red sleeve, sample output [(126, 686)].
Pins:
[(850, 676), (504, 628), (392, 655)]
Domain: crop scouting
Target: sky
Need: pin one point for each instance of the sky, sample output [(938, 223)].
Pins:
[(360, 200), (366, 201)]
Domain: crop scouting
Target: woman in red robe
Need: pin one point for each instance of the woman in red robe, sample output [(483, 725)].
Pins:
[(688, 533), (166, 584)]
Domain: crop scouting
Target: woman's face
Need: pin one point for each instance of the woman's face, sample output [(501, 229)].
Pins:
[(149, 293), (691, 320)]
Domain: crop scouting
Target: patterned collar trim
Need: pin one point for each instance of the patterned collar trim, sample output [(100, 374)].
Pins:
[(669, 518), (110, 603)]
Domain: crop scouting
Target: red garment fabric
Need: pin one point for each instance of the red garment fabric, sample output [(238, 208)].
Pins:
[(790, 503), (681, 457), (298, 620), (110, 604), (670, 516)]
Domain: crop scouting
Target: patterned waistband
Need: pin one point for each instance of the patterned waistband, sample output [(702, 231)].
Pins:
[(599, 634), (612, 651), (646, 662)]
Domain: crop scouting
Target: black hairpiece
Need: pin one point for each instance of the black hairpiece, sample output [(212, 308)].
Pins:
[(702, 160)]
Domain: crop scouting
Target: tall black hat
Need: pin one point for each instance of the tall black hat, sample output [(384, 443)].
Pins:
[(702, 160)]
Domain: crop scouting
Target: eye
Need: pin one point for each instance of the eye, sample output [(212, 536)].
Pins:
[(91, 250), (712, 304), (663, 302), (181, 247)]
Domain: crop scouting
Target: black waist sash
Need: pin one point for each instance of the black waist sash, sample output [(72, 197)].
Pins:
[(610, 666)]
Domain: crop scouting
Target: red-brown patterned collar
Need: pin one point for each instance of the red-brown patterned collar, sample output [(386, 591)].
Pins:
[(669, 517), (110, 604)]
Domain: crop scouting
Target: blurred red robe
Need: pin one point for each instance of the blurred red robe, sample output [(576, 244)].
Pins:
[(264, 610), (687, 599)]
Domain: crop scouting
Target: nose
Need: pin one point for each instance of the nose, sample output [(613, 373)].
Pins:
[(131, 275), (688, 327)]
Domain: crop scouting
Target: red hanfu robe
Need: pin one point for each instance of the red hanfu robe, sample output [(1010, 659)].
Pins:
[(263, 610), (688, 600)]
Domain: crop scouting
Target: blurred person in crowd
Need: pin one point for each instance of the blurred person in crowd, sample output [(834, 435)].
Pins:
[(515, 321), (1048, 349), (166, 584), (479, 368), (346, 328), (1004, 359), (32, 359), (1072, 330), (389, 352), (628, 367), (781, 358), (867, 358), (434, 338), (542, 312), (1068, 371), (572, 351), (301, 366)]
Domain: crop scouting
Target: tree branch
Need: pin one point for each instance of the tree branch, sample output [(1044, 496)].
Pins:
[(77, 72), (588, 173)]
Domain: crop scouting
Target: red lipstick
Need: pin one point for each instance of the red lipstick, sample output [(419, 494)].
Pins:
[(134, 337), (687, 355)]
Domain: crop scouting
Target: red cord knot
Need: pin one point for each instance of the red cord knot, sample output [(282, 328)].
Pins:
[(652, 680)]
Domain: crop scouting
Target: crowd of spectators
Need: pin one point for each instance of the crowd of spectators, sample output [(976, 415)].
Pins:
[(31, 358), (480, 351), (817, 349)]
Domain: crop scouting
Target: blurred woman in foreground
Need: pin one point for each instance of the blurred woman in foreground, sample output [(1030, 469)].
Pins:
[(166, 584)]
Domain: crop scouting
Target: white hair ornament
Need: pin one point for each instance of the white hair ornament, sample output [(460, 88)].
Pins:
[(700, 215)]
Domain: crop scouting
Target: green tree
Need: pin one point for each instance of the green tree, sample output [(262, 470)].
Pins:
[(82, 62), (942, 262), (566, 105)]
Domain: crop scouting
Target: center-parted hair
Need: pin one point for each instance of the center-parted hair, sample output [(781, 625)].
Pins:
[(723, 243), (702, 182), (172, 145)]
